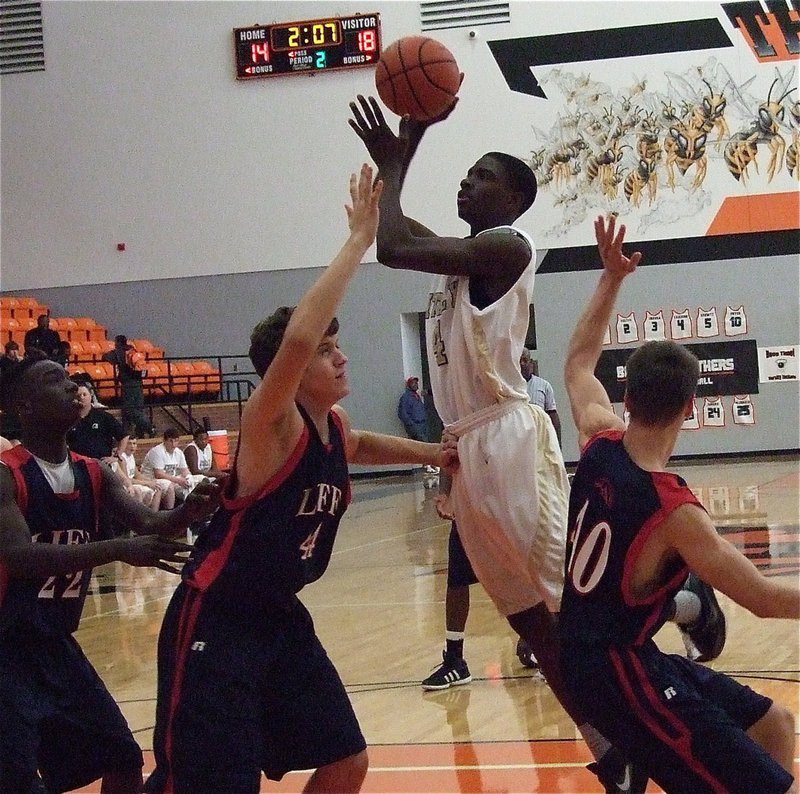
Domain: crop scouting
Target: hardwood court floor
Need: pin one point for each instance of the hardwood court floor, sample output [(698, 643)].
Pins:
[(379, 611)]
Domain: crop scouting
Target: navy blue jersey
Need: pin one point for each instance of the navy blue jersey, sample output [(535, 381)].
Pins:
[(613, 507), (53, 604), (260, 550)]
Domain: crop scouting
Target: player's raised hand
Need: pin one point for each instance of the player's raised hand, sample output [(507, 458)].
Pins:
[(411, 129), (363, 212), (609, 244), (368, 122)]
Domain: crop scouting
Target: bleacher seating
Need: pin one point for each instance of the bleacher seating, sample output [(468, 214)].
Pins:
[(89, 340)]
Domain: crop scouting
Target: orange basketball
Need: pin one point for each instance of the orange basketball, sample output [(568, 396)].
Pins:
[(417, 76)]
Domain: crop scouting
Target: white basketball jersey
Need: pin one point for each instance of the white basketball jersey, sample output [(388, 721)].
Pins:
[(653, 327), (707, 323), (719, 500), (735, 321), (743, 411), (713, 412), (474, 353), (692, 422), (680, 326), (627, 330)]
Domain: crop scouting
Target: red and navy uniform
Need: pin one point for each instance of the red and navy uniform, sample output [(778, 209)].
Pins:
[(53, 604), (682, 722), (244, 683), (56, 714)]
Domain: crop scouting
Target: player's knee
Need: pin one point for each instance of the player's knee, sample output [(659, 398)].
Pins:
[(340, 776), (775, 731), (359, 763)]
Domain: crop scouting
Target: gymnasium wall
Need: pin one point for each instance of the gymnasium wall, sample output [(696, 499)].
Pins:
[(137, 132)]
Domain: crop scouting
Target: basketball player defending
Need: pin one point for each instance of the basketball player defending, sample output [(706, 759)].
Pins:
[(56, 715), (634, 532), (509, 494), (244, 683)]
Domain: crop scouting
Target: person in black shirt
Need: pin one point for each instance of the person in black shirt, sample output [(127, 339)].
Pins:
[(96, 432), (43, 338), (9, 361)]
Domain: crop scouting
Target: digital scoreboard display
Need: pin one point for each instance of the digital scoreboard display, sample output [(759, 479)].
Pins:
[(314, 45)]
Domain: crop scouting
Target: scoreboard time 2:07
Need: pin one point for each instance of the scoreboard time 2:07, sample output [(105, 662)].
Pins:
[(313, 45)]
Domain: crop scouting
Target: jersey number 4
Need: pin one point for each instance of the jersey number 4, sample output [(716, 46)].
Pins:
[(307, 546), (439, 352), (589, 555)]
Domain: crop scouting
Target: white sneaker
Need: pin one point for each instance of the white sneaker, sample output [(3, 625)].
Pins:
[(431, 469)]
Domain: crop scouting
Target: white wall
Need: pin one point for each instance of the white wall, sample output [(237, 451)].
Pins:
[(138, 132)]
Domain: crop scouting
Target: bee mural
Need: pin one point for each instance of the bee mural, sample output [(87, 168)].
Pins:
[(792, 165), (765, 130), (685, 146), (559, 164), (636, 181), (710, 114)]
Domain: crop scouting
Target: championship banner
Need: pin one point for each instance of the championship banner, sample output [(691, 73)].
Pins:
[(726, 368)]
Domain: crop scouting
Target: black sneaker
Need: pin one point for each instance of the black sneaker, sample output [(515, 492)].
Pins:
[(453, 672), (525, 655), (705, 638), (617, 775)]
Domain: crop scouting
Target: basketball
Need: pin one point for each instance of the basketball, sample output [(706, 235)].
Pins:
[(418, 76)]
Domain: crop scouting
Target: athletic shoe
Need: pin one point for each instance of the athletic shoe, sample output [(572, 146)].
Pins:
[(617, 775), (431, 469), (525, 655), (453, 672), (705, 638)]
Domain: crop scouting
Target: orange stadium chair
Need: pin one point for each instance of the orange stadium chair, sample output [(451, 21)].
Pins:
[(197, 379), (141, 345), (156, 383), (66, 325), (6, 313), (97, 333), (55, 324), (82, 327), (30, 307), (212, 381), (106, 345), (181, 372), (9, 303), (103, 376), (9, 329), (92, 351), (77, 352)]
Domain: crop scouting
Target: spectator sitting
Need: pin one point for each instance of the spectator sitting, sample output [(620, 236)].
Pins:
[(64, 353), (148, 495), (166, 461), (97, 432), (164, 498), (42, 338), (85, 379), (200, 456)]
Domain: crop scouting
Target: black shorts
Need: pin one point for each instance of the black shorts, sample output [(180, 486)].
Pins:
[(255, 695), (684, 723), (57, 715), (459, 569)]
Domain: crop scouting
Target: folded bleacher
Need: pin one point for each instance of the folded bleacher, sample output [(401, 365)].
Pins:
[(164, 379)]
